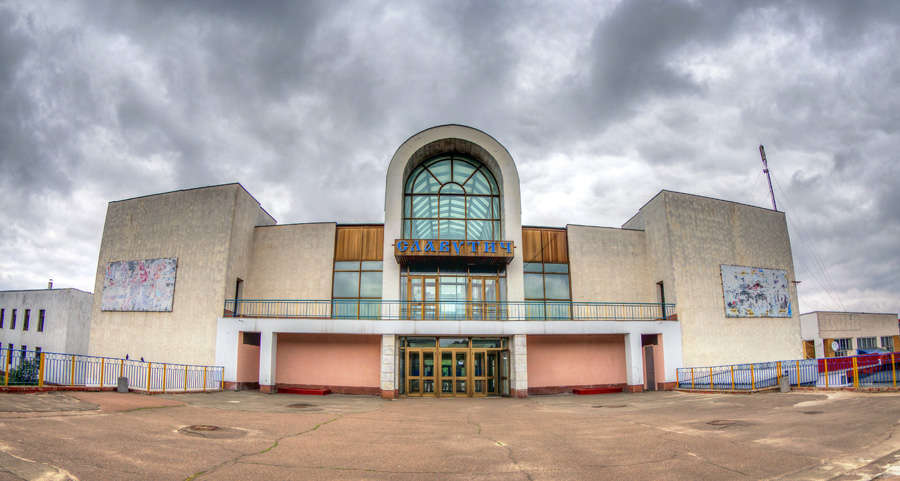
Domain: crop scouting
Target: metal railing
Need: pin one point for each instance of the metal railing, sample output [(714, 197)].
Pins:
[(42, 369), (448, 310), (868, 370)]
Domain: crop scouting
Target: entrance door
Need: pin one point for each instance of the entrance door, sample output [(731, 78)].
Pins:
[(454, 378), (650, 368), (420, 375), (504, 373), (485, 370)]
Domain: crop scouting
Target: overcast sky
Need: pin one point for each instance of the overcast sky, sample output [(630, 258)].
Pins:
[(601, 104)]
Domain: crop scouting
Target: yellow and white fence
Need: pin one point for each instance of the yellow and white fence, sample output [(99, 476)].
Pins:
[(44, 369)]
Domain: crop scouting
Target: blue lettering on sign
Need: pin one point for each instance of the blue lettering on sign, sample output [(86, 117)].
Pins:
[(415, 246), (456, 246), (402, 246), (473, 247), (429, 246), (444, 246), (507, 246), (490, 247)]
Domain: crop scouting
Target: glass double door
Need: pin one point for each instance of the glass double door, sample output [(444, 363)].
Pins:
[(452, 372), (449, 297)]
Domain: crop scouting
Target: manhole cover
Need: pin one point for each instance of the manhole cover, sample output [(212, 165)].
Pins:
[(299, 406), (812, 412), (726, 422), (213, 432), (203, 427), (612, 406)]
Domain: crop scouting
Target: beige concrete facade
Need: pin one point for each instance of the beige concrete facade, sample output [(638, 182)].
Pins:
[(291, 262), (609, 265), (689, 238), (210, 231)]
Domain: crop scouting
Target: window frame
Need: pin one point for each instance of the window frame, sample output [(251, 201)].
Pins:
[(435, 218), (41, 317), (26, 321)]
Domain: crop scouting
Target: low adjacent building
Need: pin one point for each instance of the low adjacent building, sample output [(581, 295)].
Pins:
[(838, 334), (47, 320)]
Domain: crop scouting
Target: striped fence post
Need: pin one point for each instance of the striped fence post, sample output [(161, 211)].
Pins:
[(41, 371), (8, 361), (826, 371), (72, 377), (204, 378), (855, 373), (692, 378), (752, 379), (149, 370), (798, 373), (894, 369), (185, 377), (102, 370), (732, 377)]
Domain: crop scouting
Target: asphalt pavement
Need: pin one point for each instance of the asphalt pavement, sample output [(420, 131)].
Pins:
[(246, 435)]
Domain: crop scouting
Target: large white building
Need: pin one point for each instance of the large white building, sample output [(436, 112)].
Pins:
[(449, 294), (48, 320)]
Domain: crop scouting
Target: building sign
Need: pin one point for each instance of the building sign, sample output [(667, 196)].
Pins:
[(483, 252)]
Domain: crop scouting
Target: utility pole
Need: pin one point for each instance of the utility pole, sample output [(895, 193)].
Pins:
[(762, 154)]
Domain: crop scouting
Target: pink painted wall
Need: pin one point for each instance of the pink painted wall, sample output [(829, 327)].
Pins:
[(576, 360), (247, 362), (328, 360)]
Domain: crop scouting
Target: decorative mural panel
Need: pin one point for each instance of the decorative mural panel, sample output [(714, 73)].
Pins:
[(755, 292), (146, 285)]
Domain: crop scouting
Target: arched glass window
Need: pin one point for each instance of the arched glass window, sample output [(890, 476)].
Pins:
[(451, 197)]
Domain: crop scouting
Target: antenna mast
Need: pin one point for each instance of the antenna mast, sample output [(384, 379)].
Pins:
[(762, 154)]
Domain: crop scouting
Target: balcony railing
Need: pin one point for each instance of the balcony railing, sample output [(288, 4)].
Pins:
[(376, 309)]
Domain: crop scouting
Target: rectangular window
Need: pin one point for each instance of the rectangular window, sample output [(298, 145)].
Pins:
[(2, 315), (844, 347), (887, 343), (37, 350), (356, 291), (547, 284), (866, 343), (41, 316), (27, 320), (22, 353), (12, 320)]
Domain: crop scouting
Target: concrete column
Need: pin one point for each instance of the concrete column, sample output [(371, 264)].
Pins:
[(389, 366), (268, 344), (227, 340), (634, 363), (518, 366)]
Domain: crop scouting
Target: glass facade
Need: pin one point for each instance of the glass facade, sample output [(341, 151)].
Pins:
[(451, 197)]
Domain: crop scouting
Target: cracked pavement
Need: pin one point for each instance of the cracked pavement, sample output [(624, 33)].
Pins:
[(657, 435)]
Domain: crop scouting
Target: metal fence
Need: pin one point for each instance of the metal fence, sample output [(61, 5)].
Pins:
[(869, 370), (31, 368), (448, 310)]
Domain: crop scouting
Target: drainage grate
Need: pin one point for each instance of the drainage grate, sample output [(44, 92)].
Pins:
[(812, 412), (612, 406), (300, 406)]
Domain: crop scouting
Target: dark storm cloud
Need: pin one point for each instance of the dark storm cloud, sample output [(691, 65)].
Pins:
[(304, 103)]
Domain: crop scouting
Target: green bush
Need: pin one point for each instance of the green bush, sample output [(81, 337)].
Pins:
[(26, 372)]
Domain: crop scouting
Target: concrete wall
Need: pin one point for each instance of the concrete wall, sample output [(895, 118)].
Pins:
[(329, 360), (210, 231), (609, 265), (689, 237), (67, 320), (291, 262), (555, 361)]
